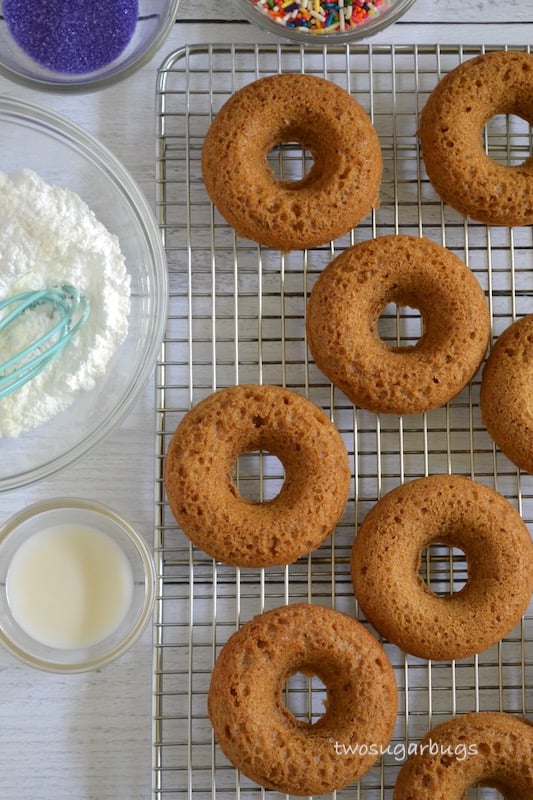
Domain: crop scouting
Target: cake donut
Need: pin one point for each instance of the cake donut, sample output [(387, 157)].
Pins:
[(341, 186), (342, 324), (507, 392), (450, 132), (206, 501), (262, 738), (455, 511), (486, 748)]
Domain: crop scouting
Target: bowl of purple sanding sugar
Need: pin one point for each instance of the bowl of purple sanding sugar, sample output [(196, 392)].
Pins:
[(323, 21), (80, 45)]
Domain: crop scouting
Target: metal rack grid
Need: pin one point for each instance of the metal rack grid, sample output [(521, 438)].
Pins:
[(237, 315)]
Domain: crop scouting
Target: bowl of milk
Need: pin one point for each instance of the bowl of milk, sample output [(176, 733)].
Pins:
[(77, 585)]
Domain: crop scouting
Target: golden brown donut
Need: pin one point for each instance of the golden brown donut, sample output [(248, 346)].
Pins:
[(339, 190), (342, 324), (457, 512), (261, 737), (506, 397), (205, 500), (450, 131), (486, 748)]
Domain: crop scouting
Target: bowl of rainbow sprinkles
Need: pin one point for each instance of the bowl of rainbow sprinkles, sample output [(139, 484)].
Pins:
[(321, 21)]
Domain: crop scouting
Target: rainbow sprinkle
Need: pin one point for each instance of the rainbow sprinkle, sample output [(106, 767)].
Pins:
[(320, 16)]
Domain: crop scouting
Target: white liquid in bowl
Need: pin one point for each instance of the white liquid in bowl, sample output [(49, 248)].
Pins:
[(69, 586)]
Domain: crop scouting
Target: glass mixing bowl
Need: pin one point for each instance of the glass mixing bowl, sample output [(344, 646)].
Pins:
[(381, 16), (63, 154), (155, 19)]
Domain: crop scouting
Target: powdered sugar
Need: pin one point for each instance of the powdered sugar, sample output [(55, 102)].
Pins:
[(49, 237)]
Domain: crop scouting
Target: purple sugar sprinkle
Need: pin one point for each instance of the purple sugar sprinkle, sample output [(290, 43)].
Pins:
[(74, 36)]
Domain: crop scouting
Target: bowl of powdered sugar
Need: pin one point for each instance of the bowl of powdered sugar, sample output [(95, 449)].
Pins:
[(71, 215)]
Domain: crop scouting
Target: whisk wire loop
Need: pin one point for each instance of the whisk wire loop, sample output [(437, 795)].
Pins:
[(27, 363)]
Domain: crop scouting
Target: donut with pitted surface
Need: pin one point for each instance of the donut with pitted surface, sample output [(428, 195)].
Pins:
[(262, 738), (478, 749), (457, 512), (506, 397), (450, 131), (342, 324), (205, 500), (338, 191)]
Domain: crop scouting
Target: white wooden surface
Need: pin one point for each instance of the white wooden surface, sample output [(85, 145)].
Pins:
[(89, 736)]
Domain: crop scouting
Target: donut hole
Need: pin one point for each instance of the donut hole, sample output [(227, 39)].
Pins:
[(290, 162), (444, 569), (258, 476), (400, 326), (477, 792), (305, 696), (506, 138)]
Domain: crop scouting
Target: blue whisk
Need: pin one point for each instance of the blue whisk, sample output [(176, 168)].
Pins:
[(70, 310)]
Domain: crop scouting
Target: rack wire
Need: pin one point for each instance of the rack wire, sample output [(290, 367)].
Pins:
[(237, 315)]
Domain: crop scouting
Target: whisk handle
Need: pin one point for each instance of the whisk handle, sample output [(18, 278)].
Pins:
[(23, 366)]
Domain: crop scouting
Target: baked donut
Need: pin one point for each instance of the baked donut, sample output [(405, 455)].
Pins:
[(450, 132), (263, 739), (486, 748), (507, 392), (339, 190), (342, 319), (206, 502), (457, 512)]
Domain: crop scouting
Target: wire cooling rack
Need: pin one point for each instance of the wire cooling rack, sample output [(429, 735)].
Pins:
[(237, 315)]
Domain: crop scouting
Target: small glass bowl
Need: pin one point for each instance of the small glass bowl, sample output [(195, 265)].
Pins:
[(133, 551), (386, 13), (155, 20)]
